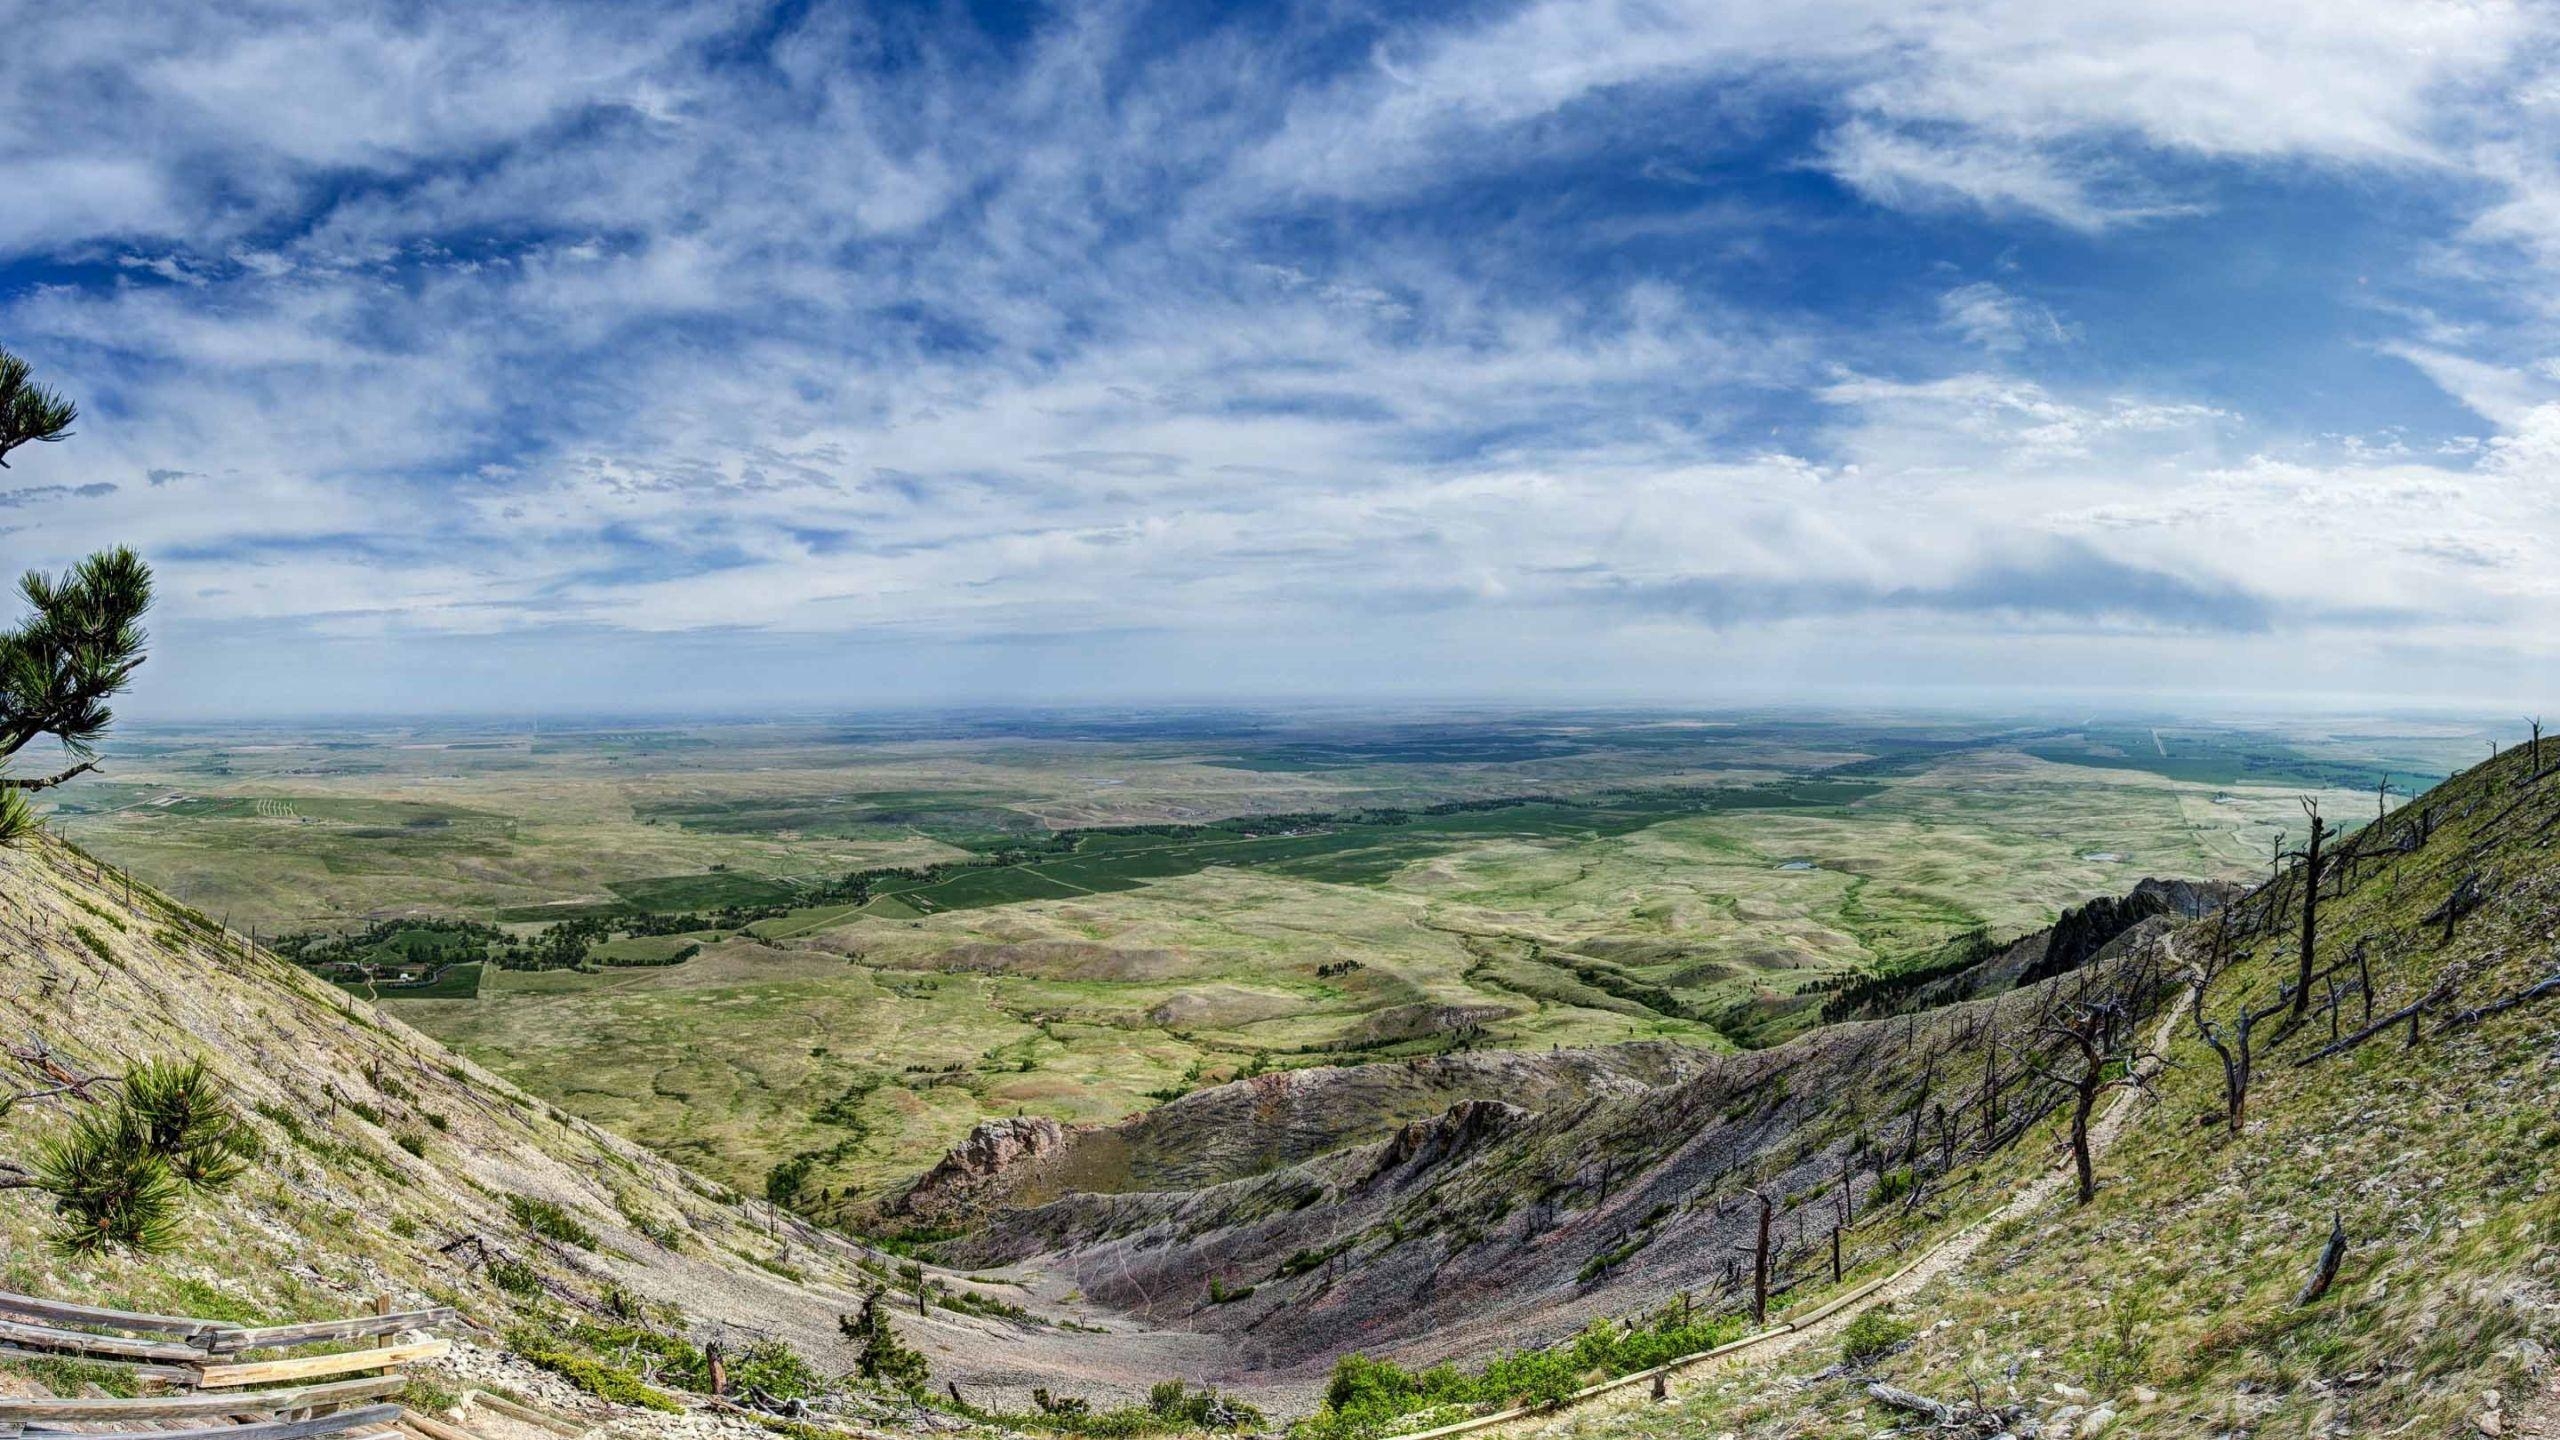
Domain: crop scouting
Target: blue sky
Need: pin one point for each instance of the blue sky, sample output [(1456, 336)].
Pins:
[(556, 356)]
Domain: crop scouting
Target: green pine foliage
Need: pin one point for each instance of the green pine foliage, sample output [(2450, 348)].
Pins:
[(83, 635), (545, 1218), (111, 1190), (189, 1122), (17, 817), (121, 1176), (884, 1359)]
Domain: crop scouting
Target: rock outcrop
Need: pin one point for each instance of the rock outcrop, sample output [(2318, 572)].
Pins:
[(994, 1159)]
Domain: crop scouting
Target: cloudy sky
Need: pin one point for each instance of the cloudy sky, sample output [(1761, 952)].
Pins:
[(558, 355)]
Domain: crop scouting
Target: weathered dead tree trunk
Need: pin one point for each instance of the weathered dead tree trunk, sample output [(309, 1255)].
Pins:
[(2236, 1050), (1919, 1108), (2310, 908), (1991, 1079), (2465, 898), (2086, 1031), (1760, 1267), (1893, 1398), (2326, 1273)]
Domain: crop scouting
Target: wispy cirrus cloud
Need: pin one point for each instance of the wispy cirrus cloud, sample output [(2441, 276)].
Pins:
[(1434, 330)]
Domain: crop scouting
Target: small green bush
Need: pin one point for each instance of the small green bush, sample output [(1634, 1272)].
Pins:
[(515, 1277), (547, 1219), (1874, 1335)]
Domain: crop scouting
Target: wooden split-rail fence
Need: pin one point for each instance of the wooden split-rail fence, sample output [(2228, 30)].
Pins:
[(222, 1381)]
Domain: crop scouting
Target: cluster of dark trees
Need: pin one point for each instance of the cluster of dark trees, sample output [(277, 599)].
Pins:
[(1853, 995), (390, 941)]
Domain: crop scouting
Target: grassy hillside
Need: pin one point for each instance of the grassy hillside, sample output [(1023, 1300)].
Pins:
[(2173, 1302), (381, 1161)]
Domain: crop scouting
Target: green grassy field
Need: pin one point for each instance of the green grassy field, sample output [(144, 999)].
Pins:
[(1663, 878)]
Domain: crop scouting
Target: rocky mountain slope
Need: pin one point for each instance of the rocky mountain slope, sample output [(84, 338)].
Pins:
[(1540, 1201), (2407, 1100), (2369, 1245), (1245, 1128)]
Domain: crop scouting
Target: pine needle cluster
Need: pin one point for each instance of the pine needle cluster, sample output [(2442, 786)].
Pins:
[(121, 1177)]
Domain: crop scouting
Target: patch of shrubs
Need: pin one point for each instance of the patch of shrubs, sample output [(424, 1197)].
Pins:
[(970, 1302), (1368, 1398), (605, 1382), (884, 1359), (1172, 1408), (547, 1219), (1302, 1261), (515, 1277), (672, 1360)]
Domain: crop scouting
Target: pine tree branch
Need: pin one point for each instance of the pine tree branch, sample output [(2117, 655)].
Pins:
[(8, 783)]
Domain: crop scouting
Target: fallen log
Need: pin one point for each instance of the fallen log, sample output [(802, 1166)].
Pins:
[(2542, 989), (1895, 1398), (2443, 990)]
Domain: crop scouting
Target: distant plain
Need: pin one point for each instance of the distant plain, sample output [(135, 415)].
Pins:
[(1437, 881)]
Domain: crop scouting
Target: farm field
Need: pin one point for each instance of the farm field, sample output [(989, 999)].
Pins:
[(1082, 917)]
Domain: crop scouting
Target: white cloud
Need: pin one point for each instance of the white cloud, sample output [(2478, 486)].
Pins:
[(493, 321), (1994, 103), (1907, 171)]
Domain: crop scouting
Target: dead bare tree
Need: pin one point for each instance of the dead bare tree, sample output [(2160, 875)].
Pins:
[(2465, 898), (2412, 1013), (1919, 1108), (2310, 907), (1760, 1263), (2234, 1046), (1991, 1078), (2106, 1063)]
